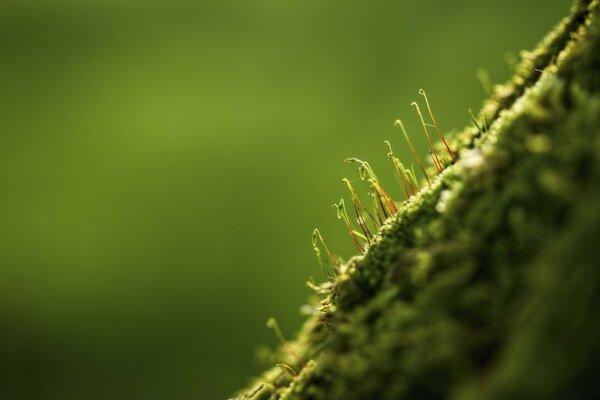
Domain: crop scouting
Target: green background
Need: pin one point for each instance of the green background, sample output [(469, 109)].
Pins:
[(163, 164)]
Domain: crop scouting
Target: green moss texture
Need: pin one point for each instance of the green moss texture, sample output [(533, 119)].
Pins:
[(486, 285)]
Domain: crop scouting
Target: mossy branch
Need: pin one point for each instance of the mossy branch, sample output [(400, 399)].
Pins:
[(485, 284)]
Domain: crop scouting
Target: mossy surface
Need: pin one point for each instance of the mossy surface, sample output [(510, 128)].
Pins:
[(486, 285)]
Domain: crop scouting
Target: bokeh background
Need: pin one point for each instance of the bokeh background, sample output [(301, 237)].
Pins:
[(163, 164)]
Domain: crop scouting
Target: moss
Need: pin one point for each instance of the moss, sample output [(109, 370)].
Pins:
[(486, 284)]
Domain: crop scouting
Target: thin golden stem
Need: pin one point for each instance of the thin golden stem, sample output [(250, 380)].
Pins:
[(272, 323), (343, 215), (287, 368), (412, 149), (436, 161), (437, 127)]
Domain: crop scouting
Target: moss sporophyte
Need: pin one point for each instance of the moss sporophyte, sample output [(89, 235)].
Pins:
[(483, 281)]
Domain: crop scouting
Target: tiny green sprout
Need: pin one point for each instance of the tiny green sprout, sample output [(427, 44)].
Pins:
[(474, 120), (390, 153), (272, 324), (363, 169), (436, 125), (401, 171), (360, 210), (317, 252), (332, 260), (412, 175), (392, 157), (381, 209), (412, 149), (354, 235), (485, 124), (436, 160), (287, 368)]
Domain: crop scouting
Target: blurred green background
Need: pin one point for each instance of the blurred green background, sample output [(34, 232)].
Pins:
[(163, 164)]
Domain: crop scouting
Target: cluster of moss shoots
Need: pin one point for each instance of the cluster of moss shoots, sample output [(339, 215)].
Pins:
[(370, 219)]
